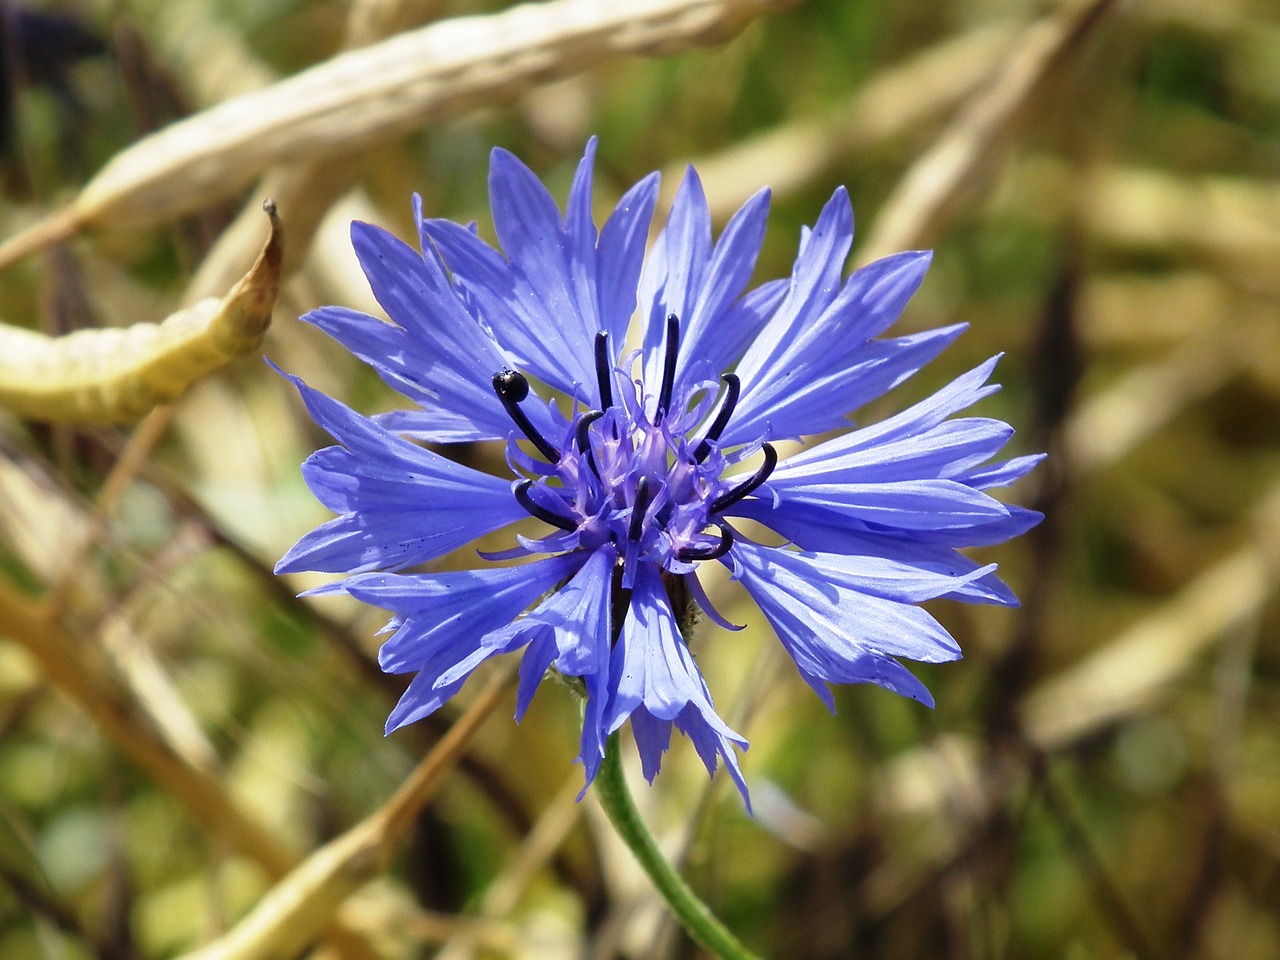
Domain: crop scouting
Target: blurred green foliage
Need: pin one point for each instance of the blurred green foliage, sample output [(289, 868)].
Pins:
[(1138, 315)]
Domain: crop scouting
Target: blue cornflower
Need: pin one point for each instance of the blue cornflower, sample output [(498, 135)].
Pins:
[(635, 474)]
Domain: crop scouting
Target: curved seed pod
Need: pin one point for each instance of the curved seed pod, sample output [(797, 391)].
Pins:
[(119, 375)]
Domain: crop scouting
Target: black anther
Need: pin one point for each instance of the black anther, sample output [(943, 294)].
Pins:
[(669, 366), (584, 440), (511, 387), (742, 489), (713, 552), (604, 370), (732, 387), (638, 508), (537, 510), (621, 603)]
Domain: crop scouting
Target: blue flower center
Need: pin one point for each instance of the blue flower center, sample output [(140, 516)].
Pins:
[(651, 483)]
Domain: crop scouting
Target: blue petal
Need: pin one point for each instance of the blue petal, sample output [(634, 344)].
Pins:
[(505, 300), (537, 660), (702, 287), (814, 285), (724, 337), (998, 530), (815, 277), (919, 419), (675, 268), (711, 743), (714, 334), (812, 528), (876, 576), (404, 504), (420, 700), (548, 257), (577, 619), (621, 256), (436, 610), (814, 389), (653, 739), (578, 613), (573, 616), (904, 504), (439, 678), (947, 450), (454, 411), (594, 739), (652, 669), (1002, 474), (526, 218), (869, 575), (560, 282), (579, 227), (813, 357), (835, 633), (360, 542), (446, 351)]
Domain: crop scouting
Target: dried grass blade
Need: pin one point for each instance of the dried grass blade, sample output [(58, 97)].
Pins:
[(965, 152), (63, 661), (299, 907), (899, 99), (1127, 674)]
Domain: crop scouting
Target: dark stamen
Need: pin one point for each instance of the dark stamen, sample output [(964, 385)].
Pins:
[(584, 440), (604, 370), (621, 603), (511, 387), (713, 552), (732, 387), (638, 508), (742, 489), (537, 510), (669, 366)]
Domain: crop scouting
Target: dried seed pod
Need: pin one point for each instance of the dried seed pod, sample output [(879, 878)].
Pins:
[(119, 375)]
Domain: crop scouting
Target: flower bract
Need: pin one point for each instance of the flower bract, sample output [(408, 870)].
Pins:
[(642, 458)]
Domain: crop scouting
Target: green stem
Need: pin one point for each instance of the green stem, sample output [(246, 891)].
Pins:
[(699, 921)]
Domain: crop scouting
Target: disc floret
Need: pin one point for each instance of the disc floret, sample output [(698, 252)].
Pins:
[(646, 473)]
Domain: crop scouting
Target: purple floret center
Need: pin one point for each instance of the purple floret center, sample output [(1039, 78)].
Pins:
[(635, 479)]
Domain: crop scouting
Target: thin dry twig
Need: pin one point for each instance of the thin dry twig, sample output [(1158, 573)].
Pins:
[(1106, 427), (141, 442), (504, 892), (1080, 847), (300, 906), (1226, 222), (67, 665)]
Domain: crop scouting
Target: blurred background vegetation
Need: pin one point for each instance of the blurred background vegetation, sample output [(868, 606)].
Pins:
[(1101, 776)]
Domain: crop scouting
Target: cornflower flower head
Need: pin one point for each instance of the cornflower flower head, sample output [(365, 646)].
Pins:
[(643, 470)]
